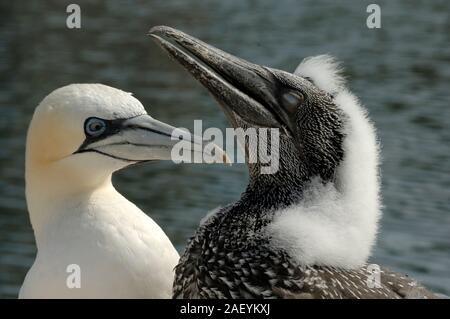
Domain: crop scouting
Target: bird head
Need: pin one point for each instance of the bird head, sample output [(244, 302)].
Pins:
[(81, 133), (324, 132)]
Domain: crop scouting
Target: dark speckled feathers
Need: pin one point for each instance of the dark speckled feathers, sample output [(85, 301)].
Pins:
[(230, 257)]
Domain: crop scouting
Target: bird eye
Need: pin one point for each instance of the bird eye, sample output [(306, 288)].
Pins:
[(95, 127), (292, 100)]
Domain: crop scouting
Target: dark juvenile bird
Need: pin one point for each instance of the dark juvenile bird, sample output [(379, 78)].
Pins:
[(307, 229)]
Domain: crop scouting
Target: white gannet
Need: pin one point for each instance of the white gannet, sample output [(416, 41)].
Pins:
[(91, 241), (307, 230)]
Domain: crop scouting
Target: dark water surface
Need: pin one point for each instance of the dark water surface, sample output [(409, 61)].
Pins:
[(401, 72)]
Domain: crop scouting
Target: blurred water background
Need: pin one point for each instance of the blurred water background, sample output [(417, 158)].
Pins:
[(401, 72)]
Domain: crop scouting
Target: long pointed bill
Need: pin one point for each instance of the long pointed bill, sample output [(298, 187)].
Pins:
[(240, 87), (144, 138)]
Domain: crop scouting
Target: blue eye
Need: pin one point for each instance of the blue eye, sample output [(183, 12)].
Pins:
[(94, 127)]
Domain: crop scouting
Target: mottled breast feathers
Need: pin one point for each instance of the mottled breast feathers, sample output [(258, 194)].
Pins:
[(230, 257)]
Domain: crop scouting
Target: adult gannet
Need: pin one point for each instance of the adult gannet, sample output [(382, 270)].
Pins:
[(91, 241), (307, 230)]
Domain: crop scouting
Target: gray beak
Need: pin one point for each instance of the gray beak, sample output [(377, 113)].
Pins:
[(240, 87), (144, 138)]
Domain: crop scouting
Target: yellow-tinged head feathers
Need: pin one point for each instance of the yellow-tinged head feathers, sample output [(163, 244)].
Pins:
[(56, 130)]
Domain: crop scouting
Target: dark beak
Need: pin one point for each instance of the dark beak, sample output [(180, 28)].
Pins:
[(240, 87)]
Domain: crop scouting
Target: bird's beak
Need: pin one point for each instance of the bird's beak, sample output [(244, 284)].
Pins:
[(240, 87), (143, 138)]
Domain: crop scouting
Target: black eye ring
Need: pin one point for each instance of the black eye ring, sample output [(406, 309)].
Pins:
[(292, 100), (94, 126)]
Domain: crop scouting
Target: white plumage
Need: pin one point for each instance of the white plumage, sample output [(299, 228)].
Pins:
[(78, 217)]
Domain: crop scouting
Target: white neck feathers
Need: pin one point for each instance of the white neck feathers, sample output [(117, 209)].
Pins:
[(336, 224)]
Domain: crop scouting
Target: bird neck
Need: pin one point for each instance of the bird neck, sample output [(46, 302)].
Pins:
[(53, 191), (295, 170), (317, 220), (283, 187), (276, 191)]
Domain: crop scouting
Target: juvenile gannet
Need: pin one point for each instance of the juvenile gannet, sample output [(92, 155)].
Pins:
[(307, 230), (91, 241)]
